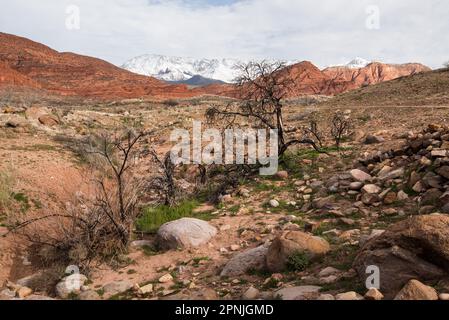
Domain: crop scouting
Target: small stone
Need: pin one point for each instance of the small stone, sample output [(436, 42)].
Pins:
[(328, 272), (425, 161), (402, 196), (390, 212), (225, 227), (116, 287), (329, 279), (251, 294), (390, 197), (234, 247), (146, 289), (438, 153), (347, 221), (69, 285), (371, 139), (443, 171), (371, 188), (419, 187), (283, 175), (295, 293), (89, 295), (370, 198), (356, 186), (360, 176), (444, 296), (326, 297), (373, 294), (24, 292), (351, 295), (274, 203)]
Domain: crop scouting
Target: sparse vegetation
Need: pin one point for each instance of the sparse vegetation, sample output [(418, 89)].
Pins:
[(7, 183), (100, 226), (298, 261), (153, 218)]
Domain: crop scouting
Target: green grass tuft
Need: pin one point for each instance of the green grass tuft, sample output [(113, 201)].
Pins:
[(152, 218)]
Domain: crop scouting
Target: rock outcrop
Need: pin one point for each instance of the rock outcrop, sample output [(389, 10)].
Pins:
[(292, 242), (416, 248)]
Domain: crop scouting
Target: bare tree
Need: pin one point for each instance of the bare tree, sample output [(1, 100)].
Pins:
[(313, 131), (100, 224), (261, 89), (341, 128), (165, 183), (446, 64)]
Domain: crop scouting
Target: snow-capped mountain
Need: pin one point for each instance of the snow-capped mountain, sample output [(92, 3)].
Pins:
[(179, 69), (356, 63)]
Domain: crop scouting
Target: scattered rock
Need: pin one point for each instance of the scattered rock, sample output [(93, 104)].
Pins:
[(373, 294), (371, 188), (351, 295), (444, 296), (283, 175), (329, 271), (141, 244), (274, 203), (253, 259), (116, 287), (296, 293), (291, 242), (89, 295), (326, 297), (166, 278), (24, 292), (48, 120), (371, 139), (415, 290), (251, 294), (146, 289), (360, 176), (398, 252), (70, 285), (402, 196)]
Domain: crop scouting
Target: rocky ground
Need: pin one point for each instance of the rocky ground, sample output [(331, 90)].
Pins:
[(308, 233)]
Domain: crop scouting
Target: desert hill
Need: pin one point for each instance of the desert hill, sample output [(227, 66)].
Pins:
[(429, 88), (28, 63)]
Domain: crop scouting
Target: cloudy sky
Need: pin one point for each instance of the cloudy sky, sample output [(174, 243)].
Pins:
[(323, 31)]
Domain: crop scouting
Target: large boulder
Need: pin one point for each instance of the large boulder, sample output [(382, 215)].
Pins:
[(415, 290), (184, 233), (250, 260), (291, 242), (416, 248)]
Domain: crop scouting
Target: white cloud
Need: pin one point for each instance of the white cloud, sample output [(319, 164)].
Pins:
[(326, 32)]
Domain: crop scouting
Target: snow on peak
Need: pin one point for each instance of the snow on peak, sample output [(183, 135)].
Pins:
[(358, 63), (179, 68), (355, 63)]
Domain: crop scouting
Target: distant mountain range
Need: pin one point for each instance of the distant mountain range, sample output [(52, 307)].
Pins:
[(28, 64), (198, 81), (183, 70), (180, 69)]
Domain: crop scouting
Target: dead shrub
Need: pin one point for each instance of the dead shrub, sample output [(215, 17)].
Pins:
[(98, 225)]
